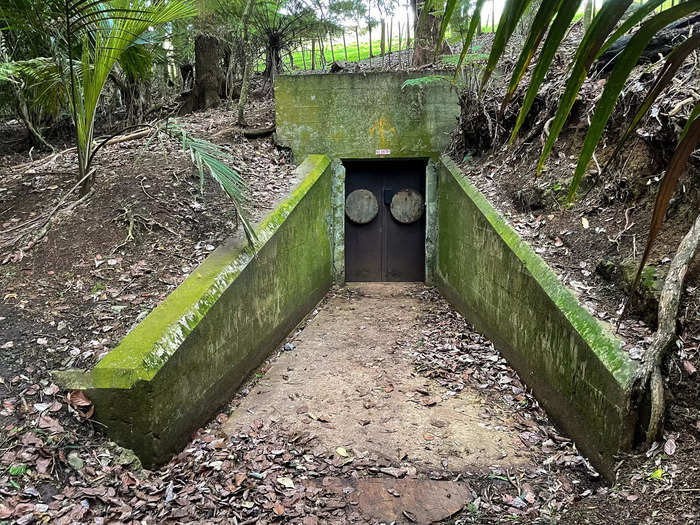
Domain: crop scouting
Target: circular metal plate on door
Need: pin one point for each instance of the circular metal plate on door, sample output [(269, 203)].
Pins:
[(407, 206), (361, 206)]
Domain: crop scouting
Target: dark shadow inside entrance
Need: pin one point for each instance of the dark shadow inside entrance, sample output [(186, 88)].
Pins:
[(385, 220)]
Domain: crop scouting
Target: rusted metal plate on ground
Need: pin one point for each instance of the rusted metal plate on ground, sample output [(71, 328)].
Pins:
[(398, 500)]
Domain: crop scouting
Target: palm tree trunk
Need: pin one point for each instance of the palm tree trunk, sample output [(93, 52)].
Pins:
[(345, 47), (245, 85), (207, 71), (357, 41)]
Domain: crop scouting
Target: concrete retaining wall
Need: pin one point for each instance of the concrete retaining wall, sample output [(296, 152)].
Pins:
[(575, 367), (173, 371), (364, 115)]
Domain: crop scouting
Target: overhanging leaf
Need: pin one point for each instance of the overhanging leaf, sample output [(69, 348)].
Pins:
[(473, 24), (512, 13), (639, 14), (449, 9), (556, 34), (600, 27), (674, 60), (540, 24), (628, 60), (679, 161)]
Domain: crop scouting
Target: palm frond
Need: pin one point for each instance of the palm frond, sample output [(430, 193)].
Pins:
[(613, 87), (601, 25), (475, 22), (556, 34), (213, 159), (540, 24), (690, 138), (513, 11)]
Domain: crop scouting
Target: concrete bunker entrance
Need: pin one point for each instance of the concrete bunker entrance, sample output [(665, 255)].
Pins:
[(385, 220), (173, 371)]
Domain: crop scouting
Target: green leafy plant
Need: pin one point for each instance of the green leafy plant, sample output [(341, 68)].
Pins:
[(18, 470), (422, 81), (554, 18), (104, 31)]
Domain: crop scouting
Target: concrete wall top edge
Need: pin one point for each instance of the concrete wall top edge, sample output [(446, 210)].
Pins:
[(606, 346), (145, 349)]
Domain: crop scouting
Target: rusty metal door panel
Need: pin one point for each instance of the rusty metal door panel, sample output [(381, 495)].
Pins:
[(385, 249)]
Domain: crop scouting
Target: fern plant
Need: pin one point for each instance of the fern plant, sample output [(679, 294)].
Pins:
[(551, 23)]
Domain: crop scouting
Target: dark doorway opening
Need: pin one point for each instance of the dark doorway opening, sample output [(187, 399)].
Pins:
[(385, 220)]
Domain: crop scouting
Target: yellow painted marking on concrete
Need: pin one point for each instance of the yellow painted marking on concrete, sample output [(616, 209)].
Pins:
[(382, 128)]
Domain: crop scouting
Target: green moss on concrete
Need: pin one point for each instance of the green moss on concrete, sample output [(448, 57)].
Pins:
[(352, 115), (148, 346), (185, 359), (575, 366)]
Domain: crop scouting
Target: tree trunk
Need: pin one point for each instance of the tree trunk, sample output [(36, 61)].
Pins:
[(313, 54), (369, 28), (408, 24), (321, 52), (391, 28), (303, 54), (345, 47), (357, 41), (399, 36), (330, 38), (247, 71), (425, 37), (207, 69), (273, 61), (382, 41)]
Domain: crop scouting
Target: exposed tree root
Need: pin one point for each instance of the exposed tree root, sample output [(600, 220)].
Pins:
[(650, 373)]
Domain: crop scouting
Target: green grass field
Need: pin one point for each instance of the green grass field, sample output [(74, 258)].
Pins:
[(340, 53), (354, 56)]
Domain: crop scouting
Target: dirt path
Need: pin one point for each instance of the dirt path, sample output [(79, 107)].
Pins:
[(351, 383)]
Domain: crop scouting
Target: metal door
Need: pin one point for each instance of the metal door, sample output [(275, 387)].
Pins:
[(381, 245)]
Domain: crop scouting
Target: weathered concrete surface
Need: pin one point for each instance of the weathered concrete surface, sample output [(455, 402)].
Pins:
[(351, 385), (355, 115), (176, 368), (577, 370)]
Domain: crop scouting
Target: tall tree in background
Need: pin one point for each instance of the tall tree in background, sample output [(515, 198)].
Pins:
[(248, 57), (426, 31), (209, 79)]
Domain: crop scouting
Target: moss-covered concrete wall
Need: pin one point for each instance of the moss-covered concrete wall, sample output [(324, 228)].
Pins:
[(364, 115), (575, 367), (173, 371)]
